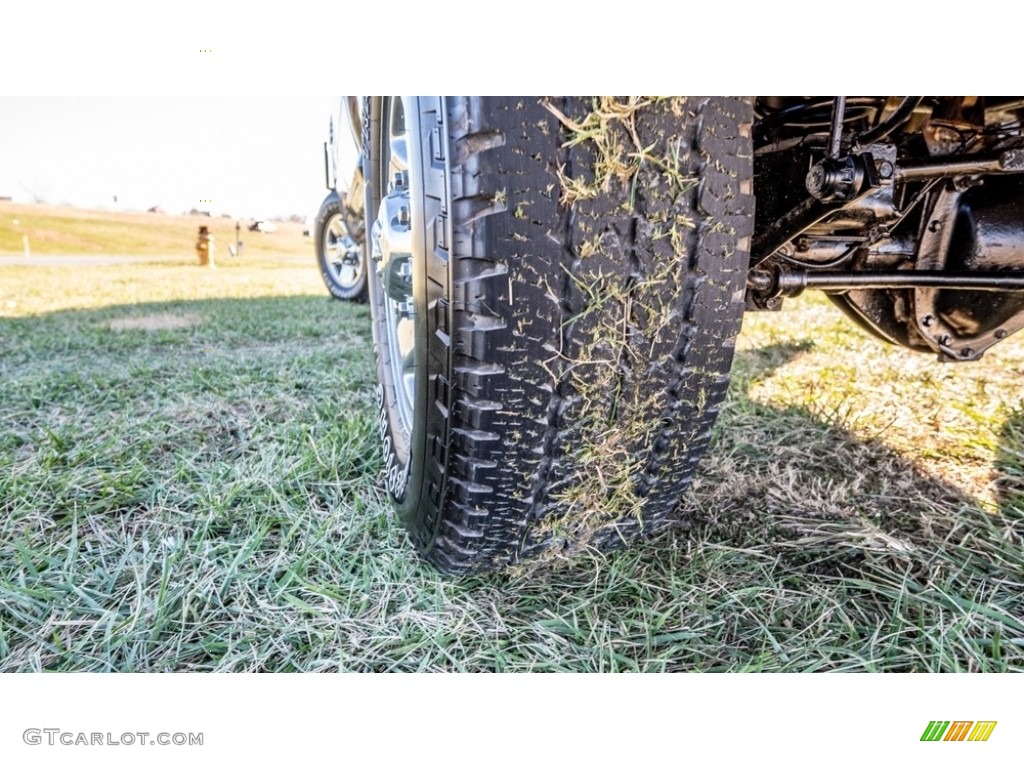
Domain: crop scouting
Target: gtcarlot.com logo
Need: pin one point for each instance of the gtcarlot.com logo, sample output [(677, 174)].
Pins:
[(58, 737), (958, 730)]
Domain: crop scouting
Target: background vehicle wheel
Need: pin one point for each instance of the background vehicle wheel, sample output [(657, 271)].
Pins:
[(556, 287), (339, 252)]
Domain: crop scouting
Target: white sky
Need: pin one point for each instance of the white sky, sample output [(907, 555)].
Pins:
[(251, 151), (195, 100)]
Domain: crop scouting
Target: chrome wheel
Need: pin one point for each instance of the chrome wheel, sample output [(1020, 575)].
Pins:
[(343, 256), (394, 254)]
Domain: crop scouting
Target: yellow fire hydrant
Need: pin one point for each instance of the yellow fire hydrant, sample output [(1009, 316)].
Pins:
[(204, 247)]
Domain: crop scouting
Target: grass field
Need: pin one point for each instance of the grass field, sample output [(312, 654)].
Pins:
[(189, 481), (59, 230)]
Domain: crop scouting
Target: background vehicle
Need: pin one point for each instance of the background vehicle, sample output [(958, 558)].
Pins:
[(557, 284), (262, 225), (339, 230)]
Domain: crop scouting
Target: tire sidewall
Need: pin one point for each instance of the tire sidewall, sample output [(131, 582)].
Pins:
[(402, 450)]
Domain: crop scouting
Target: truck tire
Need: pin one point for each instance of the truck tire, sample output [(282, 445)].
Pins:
[(556, 287), (339, 252)]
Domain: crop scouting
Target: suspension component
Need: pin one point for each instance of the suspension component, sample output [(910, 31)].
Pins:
[(841, 179), (786, 282), (1010, 161)]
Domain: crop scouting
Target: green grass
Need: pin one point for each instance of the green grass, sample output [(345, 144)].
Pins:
[(204, 495)]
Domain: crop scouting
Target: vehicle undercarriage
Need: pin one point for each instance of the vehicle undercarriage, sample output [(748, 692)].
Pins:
[(908, 211)]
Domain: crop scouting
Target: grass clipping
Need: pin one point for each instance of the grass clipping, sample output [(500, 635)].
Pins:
[(610, 129), (625, 316)]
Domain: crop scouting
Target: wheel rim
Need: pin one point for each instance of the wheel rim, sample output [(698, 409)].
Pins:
[(343, 256), (393, 254)]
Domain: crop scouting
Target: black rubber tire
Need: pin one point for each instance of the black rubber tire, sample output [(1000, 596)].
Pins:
[(572, 353), (331, 209)]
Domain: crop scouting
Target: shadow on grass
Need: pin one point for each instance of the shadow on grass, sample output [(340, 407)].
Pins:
[(802, 546), (227, 322)]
